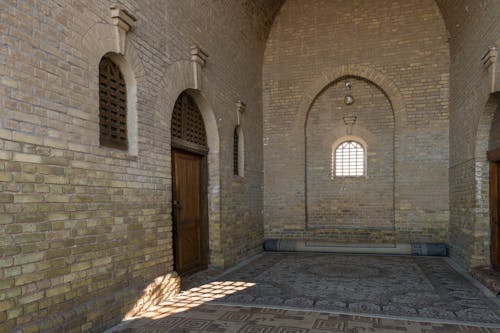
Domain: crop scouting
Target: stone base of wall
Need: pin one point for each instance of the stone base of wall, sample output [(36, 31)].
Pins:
[(303, 245), (108, 310), (339, 235), (362, 235)]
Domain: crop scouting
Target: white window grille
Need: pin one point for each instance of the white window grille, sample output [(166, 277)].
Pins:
[(349, 160)]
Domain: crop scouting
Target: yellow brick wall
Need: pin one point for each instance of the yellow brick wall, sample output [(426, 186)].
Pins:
[(473, 28), (85, 231), (399, 46)]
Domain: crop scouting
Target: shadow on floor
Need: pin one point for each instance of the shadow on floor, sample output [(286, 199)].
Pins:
[(301, 292), (418, 287)]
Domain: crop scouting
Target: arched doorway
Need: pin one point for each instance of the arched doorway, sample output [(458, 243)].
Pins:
[(494, 158), (189, 186), (493, 155)]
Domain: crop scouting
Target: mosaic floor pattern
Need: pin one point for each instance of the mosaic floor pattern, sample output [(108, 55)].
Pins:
[(313, 293), (424, 287), (222, 319)]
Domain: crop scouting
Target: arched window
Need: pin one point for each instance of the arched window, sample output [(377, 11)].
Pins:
[(112, 106), (238, 152), (349, 160)]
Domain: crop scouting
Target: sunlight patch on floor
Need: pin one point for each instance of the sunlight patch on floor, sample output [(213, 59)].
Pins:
[(195, 297)]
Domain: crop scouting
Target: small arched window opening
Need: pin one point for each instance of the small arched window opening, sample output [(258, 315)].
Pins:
[(188, 127), (112, 106), (349, 159), (238, 152)]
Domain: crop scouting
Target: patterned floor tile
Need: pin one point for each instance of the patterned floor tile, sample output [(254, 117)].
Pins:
[(388, 285), (231, 319), (274, 284)]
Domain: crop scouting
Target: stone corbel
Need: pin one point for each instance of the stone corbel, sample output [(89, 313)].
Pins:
[(198, 59), (240, 109), (490, 62), (349, 122), (123, 22)]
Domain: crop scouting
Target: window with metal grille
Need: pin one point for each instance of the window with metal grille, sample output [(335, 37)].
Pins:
[(112, 106), (239, 152), (187, 122), (348, 160), (236, 141)]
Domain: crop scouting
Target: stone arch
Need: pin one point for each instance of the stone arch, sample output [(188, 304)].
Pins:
[(484, 126), (179, 77), (99, 41), (378, 78)]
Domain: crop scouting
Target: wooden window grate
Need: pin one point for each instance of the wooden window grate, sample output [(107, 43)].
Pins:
[(349, 160), (236, 160), (187, 122), (112, 106)]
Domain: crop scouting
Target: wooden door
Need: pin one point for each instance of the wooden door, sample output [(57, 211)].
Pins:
[(189, 232), (495, 213)]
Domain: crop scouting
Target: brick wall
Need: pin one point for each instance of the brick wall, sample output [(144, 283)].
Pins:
[(473, 28), (401, 47), (85, 231), (350, 202)]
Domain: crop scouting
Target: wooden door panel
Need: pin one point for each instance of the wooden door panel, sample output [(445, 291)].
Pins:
[(495, 253), (188, 234), (189, 252), (495, 213)]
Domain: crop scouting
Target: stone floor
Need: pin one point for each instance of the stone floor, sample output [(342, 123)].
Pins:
[(311, 292), (424, 287), (230, 319)]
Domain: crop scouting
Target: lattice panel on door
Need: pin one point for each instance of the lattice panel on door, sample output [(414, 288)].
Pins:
[(112, 106), (187, 122), (177, 119)]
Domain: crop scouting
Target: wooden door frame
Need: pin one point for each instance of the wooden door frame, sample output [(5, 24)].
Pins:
[(494, 159), (188, 147)]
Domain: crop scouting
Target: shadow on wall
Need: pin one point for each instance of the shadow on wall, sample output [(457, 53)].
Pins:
[(103, 312)]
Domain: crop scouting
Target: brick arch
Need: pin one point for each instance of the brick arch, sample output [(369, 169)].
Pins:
[(378, 78), (179, 77), (484, 127), (373, 76), (100, 41)]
